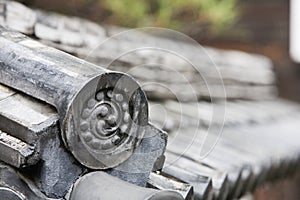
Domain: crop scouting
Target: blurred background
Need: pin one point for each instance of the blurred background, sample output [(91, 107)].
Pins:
[(255, 26)]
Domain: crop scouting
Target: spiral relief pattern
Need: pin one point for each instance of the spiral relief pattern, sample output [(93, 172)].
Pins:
[(105, 120)]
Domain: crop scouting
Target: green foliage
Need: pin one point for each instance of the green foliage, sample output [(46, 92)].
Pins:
[(127, 12), (172, 13), (221, 13)]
